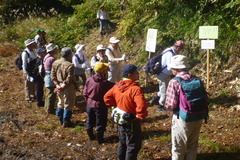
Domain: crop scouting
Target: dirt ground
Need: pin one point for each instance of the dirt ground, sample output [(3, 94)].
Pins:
[(27, 132)]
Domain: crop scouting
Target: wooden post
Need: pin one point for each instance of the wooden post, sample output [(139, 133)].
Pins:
[(148, 78), (208, 68)]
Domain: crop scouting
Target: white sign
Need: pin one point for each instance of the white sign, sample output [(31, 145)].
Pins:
[(207, 44), (151, 40), (208, 32)]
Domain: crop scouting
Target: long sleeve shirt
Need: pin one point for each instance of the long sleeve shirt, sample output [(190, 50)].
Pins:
[(97, 58), (114, 56), (48, 61), (63, 72), (166, 60), (26, 55)]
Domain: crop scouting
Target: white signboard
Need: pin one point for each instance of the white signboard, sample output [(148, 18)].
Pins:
[(151, 40), (207, 44), (208, 32)]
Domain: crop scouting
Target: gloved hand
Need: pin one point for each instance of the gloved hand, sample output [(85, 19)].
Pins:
[(124, 57)]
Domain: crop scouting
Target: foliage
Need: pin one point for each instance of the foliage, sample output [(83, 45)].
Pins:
[(173, 19), (11, 10)]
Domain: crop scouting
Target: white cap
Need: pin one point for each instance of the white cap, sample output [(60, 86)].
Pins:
[(50, 47), (100, 47), (29, 42), (79, 47), (114, 40), (179, 62)]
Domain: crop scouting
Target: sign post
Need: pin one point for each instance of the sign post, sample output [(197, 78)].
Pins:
[(208, 32), (150, 47)]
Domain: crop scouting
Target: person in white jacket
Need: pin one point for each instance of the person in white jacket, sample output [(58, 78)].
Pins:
[(116, 58), (80, 62)]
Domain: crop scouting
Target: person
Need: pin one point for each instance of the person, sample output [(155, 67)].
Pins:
[(103, 18), (28, 54), (129, 97), (97, 111), (165, 76), (80, 62), (50, 96), (99, 57), (38, 80), (116, 58), (62, 75), (40, 38), (184, 134)]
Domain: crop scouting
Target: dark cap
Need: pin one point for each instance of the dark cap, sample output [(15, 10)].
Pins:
[(41, 50), (129, 69)]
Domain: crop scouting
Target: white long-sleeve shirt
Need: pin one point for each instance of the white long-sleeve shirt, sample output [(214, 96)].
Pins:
[(114, 57), (102, 15), (26, 55), (166, 60)]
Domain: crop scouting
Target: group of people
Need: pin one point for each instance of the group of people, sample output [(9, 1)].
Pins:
[(110, 85)]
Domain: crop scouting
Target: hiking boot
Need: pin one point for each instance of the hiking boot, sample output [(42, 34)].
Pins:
[(90, 134), (67, 124), (100, 138), (154, 100), (161, 109)]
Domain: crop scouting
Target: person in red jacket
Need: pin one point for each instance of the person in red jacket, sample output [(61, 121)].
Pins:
[(127, 96)]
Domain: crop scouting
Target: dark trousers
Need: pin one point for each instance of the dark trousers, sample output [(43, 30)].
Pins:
[(39, 92), (97, 117), (130, 141)]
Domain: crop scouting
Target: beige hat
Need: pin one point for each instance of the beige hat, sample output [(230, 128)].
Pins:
[(179, 62), (114, 40), (29, 42), (50, 47), (100, 47)]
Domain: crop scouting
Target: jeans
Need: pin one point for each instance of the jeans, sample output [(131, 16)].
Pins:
[(103, 25), (163, 81)]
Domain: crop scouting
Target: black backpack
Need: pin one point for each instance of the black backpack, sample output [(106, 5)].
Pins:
[(19, 61), (154, 64), (35, 68)]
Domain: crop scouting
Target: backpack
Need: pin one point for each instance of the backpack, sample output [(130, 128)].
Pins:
[(35, 68), (154, 64), (193, 100), (19, 61), (79, 60)]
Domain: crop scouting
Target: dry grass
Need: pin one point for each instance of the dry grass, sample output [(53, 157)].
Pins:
[(27, 132)]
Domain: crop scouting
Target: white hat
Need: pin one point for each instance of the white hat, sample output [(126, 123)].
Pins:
[(50, 47), (179, 62), (29, 42), (100, 47), (114, 40), (79, 47)]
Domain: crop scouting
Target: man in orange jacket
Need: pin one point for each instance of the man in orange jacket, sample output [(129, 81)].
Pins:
[(129, 97)]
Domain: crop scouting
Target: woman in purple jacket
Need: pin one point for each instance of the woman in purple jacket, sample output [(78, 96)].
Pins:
[(95, 88)]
